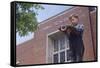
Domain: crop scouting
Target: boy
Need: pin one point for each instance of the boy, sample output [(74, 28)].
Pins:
[(75, 32)]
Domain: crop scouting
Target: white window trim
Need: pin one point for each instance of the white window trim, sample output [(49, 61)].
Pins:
[(59, 47), (62, 50), (47, 44)]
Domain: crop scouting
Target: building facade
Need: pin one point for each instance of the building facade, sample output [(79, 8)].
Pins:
[(49, 45)]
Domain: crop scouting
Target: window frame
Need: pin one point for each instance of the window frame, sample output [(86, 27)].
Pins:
[(61, 50)]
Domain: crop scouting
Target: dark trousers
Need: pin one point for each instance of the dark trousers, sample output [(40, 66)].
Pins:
[(77, 52)]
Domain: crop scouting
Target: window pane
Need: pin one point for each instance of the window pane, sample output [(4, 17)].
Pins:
[(55, 58), (62, 43), (55, 45), (69, 55), (62, 57), (67, 42)]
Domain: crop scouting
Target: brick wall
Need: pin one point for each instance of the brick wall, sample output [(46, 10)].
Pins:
[(35, 51)]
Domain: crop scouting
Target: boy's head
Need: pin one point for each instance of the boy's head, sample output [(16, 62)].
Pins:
[(74, 19)]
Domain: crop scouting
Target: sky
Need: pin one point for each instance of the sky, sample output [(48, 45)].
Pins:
[(48, 11)]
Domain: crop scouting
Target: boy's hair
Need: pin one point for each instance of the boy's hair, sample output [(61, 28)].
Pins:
[(73, 15)]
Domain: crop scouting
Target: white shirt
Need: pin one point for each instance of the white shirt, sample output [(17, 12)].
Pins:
[(79, 27)]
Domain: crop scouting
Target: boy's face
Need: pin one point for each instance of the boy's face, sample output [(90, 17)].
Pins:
[(74, 20)]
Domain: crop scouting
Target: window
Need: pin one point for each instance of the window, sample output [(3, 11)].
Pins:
[(62, 56), (69, 55), (62, 43), (55, 45), (55, 58), (61, 52)]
